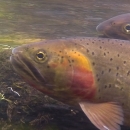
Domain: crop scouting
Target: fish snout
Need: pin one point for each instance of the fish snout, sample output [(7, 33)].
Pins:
[(100, 28), (16, 50)]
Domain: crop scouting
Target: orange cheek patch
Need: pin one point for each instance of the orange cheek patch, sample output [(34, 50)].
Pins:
[(83, 80), (83, 83)]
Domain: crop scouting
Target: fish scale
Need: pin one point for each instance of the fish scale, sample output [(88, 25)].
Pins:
[(91, 72)]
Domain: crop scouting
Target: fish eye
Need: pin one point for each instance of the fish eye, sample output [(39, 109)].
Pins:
[(127, 28), (40, 56)]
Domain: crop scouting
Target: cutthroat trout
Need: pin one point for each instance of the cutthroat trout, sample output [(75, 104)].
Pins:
[(116, 27), (91, 72)]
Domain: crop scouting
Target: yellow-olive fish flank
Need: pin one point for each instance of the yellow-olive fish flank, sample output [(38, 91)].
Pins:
[(116, 27), (91, 72)]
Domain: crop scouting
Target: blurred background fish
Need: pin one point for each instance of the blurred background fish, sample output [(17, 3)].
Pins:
[(116, 27)]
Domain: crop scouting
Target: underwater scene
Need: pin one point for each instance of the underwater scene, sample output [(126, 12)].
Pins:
[(65, 65)]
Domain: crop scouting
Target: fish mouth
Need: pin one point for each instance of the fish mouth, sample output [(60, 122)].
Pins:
[(25, 68)]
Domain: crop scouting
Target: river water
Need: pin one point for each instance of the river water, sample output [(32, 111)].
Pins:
[(55, 18)]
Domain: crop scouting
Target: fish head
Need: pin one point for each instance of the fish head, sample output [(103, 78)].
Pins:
[(116, 27), (56, 68)]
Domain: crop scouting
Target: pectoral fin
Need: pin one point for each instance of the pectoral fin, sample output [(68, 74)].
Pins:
[(105, 116)]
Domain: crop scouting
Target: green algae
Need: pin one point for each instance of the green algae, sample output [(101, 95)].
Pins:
[(18, 39)]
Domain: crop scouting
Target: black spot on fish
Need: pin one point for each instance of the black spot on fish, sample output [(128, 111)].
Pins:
[(103, 42), (93, 63), (117, 67), (118, 55), (105, 86), (104, 54), (27, 49), (117, 74), (69, 61), (109, 85), (92, 53), (100, 47), (93, 42), (120, 44), (87, 43), (48, 66), (98, 90), (124, 62), (102, 72), (87, 50), (60, 51), (62, 57), (109, 70), (111, 59), (72, 60), (98, 79)]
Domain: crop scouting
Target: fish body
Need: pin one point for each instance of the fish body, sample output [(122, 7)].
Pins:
[(116, 27), (91, 72)]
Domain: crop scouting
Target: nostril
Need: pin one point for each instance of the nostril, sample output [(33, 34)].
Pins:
[(16, 50), (13, 51), (99, 28)]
